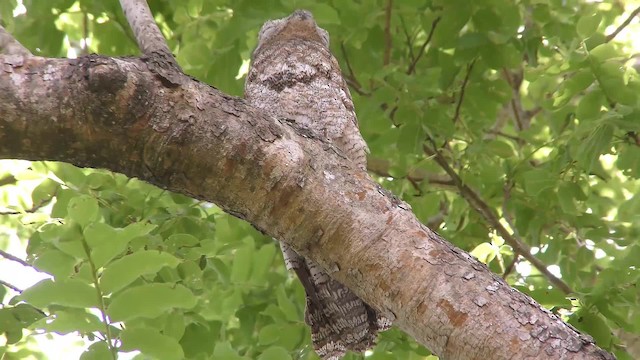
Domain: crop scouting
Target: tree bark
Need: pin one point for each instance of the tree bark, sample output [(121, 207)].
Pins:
[(116, 114)]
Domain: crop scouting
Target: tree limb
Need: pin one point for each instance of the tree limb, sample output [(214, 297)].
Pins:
[(151, 42), (485, 211), (145, 29), (10, 46), (8, 256), (113, 113), (626, 23)]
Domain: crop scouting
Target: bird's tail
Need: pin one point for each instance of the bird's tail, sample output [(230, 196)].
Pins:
[(338, 318)]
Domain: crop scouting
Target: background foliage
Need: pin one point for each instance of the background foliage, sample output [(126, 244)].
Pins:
[(521, 114)]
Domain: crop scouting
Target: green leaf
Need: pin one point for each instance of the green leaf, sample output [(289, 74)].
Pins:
[(242, 260), (324, 14), (67, 238), (175, 325), (590, 105), (263, 260), (71, 320), (485, 252), (500, 148), (97, 351), (83, 209), (629, 161), (286, 305), (127, 269), (150, 342), (106, 242), (44, 191), (594, 325), (596, 144), (275, 353), (71, 293), (56, 263), (538, 180), (588, 24), (149, 301), (604, 52), (224, 350)]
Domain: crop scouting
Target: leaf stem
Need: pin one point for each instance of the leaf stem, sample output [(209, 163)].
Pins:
[(103, 308)]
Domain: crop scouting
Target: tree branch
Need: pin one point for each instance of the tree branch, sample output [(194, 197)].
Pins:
[(12, 287), (626, 23), (8, 256), (387, 33), (151, 42), (10, 46), (145, 29), (490, 217), (456, 115), (412, 66), (114, 113)]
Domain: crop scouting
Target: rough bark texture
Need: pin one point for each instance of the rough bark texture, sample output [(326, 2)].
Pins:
[(115, 114)]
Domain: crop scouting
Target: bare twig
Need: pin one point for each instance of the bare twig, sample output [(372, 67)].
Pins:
[(512, 265), (626, 23), (456, 115), (412, 66), (483, 209), (516, 106), (351, 78), (8, 256), (10, 46), (12, 287), (387, 34), (408, 38), (33, 209)]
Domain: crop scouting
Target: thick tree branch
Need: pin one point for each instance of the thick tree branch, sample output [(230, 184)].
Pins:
[(10, 46), (114, 113), (144, 27), (151, 42)]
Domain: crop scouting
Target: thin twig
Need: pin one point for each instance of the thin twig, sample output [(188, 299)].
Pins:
[(483, 209), (412, 66), (515, 87), (408, 38), (8, 256), (512, 265), (12, 287), (617, 31), (456, 115), (351, 78), (387, 34), (33, 209)]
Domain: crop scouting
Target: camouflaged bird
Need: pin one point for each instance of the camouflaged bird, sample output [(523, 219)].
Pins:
[(294, 76)]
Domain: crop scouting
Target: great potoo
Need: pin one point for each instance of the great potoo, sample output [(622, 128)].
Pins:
[(294, 76)]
